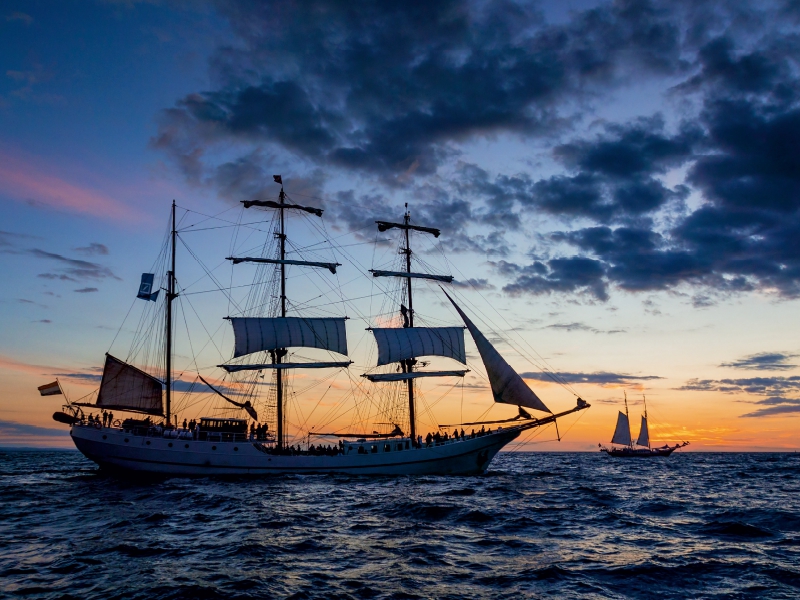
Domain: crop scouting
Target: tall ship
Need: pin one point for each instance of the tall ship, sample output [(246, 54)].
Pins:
[(132, 422), (623, 445)]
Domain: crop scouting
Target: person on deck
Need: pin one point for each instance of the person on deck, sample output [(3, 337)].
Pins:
[(428, 439), (462, 434), (455, 435)]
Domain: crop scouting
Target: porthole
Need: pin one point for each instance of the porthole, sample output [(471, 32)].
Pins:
[(236, 448), (126, 440), (148, 442), (170, 444), (213, 447), (105, 437), (186, 445)]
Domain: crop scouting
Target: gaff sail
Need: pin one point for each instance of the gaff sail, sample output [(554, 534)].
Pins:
[(622, 434), (507, 386), (124, 387), (396, 344), (256, 334), (644, 434)]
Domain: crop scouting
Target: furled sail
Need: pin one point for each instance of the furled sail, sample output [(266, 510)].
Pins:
[(396, 344), (124, 387), (622, 434), (507, 386), (279, 261), (442, 278), (254, 334), (285, 366), (413, 375), (644, 434)]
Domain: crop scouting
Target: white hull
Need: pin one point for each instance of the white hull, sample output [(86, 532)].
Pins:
[(115, 449)]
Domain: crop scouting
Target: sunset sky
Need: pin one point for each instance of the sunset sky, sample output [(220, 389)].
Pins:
[(618, 182)]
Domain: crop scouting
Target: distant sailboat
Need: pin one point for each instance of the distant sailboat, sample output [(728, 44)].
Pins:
[(627, 448)]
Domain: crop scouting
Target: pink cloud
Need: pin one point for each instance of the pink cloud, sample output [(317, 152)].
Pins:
[(24, 181)]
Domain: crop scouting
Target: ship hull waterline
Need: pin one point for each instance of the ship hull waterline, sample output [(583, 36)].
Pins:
[(116, 450)]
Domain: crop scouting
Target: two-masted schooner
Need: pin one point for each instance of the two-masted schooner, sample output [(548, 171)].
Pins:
[(266, 339), (641, 448)]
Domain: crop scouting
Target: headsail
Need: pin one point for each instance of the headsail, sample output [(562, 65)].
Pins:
[(254, 334), (507, 386), (622, 434), (644, 434), (124, 387), (396, 344)]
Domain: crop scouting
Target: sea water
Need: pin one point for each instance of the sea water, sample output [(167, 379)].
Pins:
[(535, 525)]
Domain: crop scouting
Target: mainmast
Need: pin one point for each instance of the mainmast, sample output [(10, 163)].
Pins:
[(171, 295), (275, 334), (281, 351), (409, 364), (394, 346)]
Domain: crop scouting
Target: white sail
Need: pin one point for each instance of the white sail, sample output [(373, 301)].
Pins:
[(622, 434), (254, 334), (507, 386), (396, 344), (124, 387), (644, 434)]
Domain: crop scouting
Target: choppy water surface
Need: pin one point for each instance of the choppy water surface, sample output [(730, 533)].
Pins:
[(536, 525)]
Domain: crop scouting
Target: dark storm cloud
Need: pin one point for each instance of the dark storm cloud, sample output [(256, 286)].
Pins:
[(389, 88), (613, 176), (765, 361), (599, 378), (391, 91), (567, 275)]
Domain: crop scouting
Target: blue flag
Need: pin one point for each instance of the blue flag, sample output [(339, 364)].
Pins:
[(146, 288)]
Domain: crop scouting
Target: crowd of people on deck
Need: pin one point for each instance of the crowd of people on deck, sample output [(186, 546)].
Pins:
[(439, 438)]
